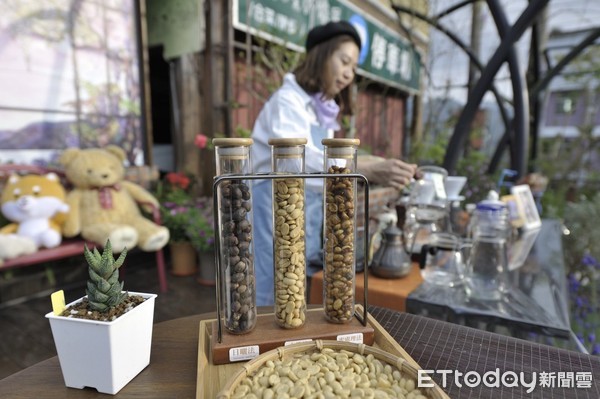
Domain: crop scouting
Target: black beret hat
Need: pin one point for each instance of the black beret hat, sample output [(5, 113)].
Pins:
[(322, 33)]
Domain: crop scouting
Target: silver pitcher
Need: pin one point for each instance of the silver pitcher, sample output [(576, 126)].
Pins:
[(392, 259)]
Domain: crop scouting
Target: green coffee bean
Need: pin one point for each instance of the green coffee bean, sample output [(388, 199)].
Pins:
[(289, 258), (328, 374)]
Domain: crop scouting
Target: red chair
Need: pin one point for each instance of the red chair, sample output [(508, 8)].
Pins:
[(71, 246)]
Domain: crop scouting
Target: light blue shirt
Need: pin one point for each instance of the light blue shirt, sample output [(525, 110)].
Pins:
[(288, 113)]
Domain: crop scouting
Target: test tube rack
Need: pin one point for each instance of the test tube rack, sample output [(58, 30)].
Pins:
[(267, 335)]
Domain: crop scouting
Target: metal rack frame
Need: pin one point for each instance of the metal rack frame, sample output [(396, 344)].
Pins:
[(271, 176)]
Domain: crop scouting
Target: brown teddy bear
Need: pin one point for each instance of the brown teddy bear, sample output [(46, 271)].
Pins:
[(103, 206)]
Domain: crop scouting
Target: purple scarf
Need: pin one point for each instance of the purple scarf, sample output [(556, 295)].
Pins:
[(327, 111)]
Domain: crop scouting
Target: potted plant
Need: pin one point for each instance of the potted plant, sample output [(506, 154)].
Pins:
[(177, 208), (103, 340)]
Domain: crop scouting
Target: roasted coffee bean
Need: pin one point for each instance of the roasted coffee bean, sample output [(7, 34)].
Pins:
[(239, 214), (225, 204), (243, 236), (238, 277), (339, 246), (240, 267), (228, 227), (225, 191), (239, 264), (231, 240), (244, 225), (232, 250), (244, 246)]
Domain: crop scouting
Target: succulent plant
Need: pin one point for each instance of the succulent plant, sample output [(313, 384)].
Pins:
[(104, 290)]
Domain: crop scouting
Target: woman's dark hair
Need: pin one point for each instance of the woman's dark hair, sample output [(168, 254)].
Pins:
[(313, 75)]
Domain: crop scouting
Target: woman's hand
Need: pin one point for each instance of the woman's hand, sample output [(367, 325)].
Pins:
[(389, 172)]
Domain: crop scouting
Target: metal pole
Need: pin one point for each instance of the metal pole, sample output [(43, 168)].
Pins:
[(462, 46), (462, 127), (519, 134)]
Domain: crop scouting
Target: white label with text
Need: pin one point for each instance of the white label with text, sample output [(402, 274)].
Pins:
[(243, 353), (298, 341), (356, 338)]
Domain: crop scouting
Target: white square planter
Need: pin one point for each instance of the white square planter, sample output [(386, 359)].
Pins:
[(104, 355)]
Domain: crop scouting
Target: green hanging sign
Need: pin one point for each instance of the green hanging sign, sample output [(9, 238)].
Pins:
[(385, 55)]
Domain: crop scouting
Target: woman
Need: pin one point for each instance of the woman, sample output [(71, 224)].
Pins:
[(305, 106)]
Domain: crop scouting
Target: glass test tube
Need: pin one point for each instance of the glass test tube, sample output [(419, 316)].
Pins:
[(232, 156), (339, 230), (289, 244)]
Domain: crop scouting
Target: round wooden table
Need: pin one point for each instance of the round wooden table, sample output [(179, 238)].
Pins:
[(433, 344), (171, 373)]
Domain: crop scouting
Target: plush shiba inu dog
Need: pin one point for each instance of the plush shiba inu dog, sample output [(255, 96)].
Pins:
[(36, 207)]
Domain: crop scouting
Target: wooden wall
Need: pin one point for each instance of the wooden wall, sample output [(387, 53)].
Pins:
[(380, 118)]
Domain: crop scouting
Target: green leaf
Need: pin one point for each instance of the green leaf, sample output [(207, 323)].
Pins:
[(89, 256), (95, 277), (114, 277), (121, 259), (97, 254), (98, 306), (107, 249), (91, 289), (104, 289), (100, 296), (103, 286)]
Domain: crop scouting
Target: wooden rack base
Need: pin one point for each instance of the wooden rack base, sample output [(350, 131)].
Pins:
[(267, 335)]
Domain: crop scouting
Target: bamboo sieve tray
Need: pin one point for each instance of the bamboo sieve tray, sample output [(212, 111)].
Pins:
[(211, 378), (283, 353)]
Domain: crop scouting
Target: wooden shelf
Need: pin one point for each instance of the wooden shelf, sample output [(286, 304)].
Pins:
[(267, 335)]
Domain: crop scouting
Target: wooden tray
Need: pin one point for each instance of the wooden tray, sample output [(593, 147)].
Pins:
[(267, 335), (211, 378)]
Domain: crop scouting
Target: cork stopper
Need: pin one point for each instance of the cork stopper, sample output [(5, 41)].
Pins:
[(340, 148), (287, 141), (232, 142), (341, 142)]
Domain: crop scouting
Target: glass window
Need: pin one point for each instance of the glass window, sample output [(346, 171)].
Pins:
[(70, 76)]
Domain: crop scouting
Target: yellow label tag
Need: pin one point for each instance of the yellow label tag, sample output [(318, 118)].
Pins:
[(58, 302)]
